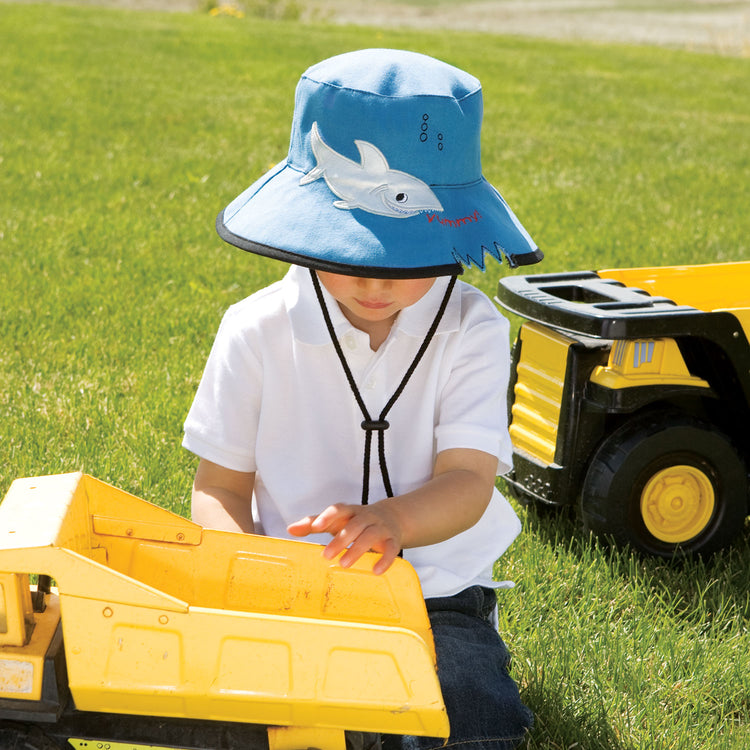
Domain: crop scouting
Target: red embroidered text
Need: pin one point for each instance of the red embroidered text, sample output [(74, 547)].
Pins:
[(476, 216)]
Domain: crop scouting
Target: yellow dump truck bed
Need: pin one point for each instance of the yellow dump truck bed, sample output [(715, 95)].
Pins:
[(163, 617), (711, 287)]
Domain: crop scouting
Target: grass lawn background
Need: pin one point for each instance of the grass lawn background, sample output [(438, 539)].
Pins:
[(123, 134)]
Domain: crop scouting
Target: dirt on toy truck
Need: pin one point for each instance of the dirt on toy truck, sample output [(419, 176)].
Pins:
[(631, 397)]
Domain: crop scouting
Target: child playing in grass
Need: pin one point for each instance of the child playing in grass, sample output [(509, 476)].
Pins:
[(361, 401)]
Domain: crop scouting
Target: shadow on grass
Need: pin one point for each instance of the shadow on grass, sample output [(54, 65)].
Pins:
[(697, 585), (558, 726)]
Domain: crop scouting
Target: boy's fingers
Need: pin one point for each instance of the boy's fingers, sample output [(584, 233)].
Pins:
[(372, 539), (388, 548), (332, 519), (346, 536), (301, 527), (354, 533), (387, 559)]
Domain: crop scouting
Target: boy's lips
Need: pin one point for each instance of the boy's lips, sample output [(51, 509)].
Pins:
[(372, 304)]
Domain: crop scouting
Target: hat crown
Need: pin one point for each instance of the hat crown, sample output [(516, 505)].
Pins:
[(383, 177), (422, 114), (393, 72)]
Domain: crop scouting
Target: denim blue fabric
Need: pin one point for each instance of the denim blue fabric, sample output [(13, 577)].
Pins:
[(483, 703)]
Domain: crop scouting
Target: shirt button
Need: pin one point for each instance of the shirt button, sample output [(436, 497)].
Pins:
[(350, 341), (370, 383)]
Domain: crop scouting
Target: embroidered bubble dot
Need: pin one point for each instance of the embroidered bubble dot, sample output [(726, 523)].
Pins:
[(424, 128), (424, 134)]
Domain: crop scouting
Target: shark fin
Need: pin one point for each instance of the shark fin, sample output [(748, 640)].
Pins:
[(373, 161)]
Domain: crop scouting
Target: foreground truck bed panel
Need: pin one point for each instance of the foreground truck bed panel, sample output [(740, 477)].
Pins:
[(238, 667), (162, 617)]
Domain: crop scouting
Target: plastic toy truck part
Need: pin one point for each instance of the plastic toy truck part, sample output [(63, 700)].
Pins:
[(155, 616), (631, 396)]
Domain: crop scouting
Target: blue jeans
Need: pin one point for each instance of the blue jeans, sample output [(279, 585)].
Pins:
[(482, 700)]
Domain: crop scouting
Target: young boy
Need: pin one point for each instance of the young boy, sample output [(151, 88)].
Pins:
[(361, 401)]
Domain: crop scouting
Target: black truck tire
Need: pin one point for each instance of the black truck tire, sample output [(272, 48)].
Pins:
[(666, 484)]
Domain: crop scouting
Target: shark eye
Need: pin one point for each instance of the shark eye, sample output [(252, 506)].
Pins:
[(401, 198)]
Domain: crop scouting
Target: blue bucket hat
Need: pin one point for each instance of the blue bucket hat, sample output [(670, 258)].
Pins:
[(383, 177)]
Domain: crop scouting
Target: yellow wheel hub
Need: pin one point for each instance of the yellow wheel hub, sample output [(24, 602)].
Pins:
[(677, 503)]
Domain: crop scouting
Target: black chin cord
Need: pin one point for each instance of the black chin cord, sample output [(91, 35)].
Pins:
[(379, 425)]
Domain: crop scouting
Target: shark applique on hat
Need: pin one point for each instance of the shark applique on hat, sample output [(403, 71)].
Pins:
[(383, 177)]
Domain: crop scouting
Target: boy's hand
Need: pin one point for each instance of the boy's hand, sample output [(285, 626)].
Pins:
[(360, 528), (449, 503)]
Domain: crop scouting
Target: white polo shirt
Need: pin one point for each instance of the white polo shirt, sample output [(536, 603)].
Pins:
[(274, 400)]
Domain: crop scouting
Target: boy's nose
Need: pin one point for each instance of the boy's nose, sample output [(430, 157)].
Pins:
[(374, 285)]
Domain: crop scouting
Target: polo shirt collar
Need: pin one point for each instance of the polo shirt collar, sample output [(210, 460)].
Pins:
[(309, 327)]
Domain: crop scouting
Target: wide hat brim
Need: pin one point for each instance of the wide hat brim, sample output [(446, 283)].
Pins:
[(371, 129), (310, 231)]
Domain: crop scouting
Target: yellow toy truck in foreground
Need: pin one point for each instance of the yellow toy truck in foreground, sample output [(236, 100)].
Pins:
[(158, 633), (631, 398)]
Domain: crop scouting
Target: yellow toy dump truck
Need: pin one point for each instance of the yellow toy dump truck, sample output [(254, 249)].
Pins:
[(158, 633), (631, 396)]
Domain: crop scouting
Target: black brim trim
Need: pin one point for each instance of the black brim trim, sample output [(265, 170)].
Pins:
[(370, 272), (525, 259)]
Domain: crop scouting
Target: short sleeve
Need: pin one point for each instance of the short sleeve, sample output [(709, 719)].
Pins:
[(473, 402), (222, 423)]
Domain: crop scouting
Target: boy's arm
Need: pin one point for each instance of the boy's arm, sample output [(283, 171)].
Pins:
[(222, 498), (451, 502)]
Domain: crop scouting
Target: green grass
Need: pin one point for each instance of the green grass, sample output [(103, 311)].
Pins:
[(123, 134), (617, 652)]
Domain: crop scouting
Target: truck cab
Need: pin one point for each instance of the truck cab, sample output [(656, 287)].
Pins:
[(630, 398)]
